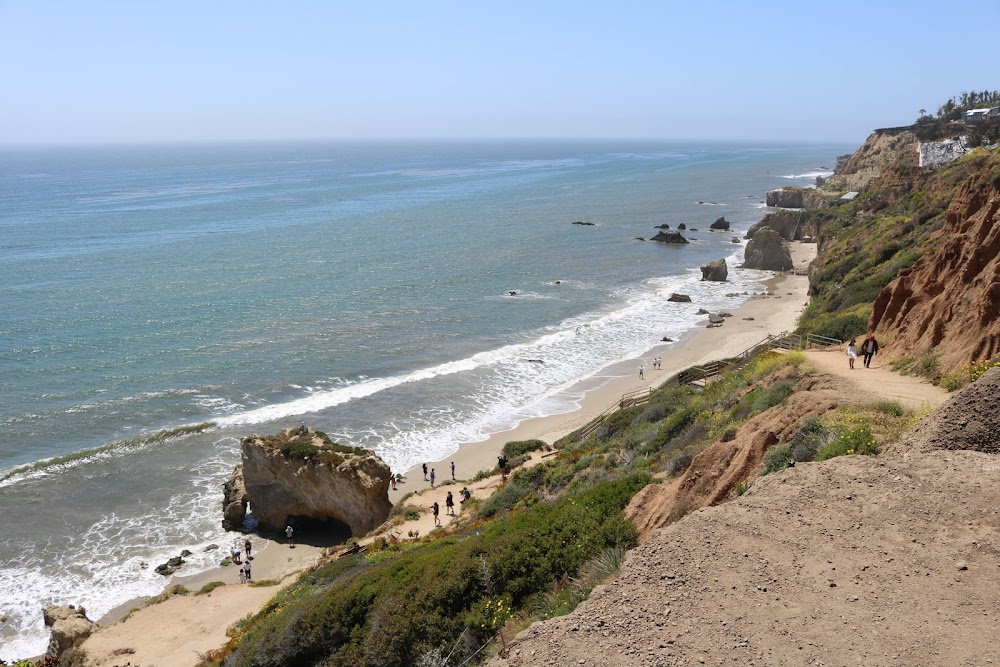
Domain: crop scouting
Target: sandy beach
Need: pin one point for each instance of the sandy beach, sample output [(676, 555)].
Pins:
[(750, 323), (174, 632)]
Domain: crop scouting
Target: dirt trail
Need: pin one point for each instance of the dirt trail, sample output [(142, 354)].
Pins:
[(878, 381)]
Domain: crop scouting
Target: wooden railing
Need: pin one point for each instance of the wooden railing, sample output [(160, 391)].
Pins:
[(628, 400)]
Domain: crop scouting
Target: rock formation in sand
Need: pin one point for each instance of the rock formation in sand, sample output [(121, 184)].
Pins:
[(948, 302), (296, 476), (766, 251), (717, 271), (70, 626)]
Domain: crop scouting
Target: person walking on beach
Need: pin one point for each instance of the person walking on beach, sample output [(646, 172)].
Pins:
[(641, 369), (453, 471), (289, 533), (435, 508), (433, 477), (852, 353), (234, 555), (425, 472), (246, 571), (870, 349), (392, 481), (449, 504), (247, 545)]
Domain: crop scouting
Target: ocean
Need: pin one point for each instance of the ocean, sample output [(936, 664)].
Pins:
[(159, 302)]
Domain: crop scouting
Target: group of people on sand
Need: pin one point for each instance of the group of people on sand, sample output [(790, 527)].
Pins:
[(236, 557), (657, 365), (869, 348), (432, 476)]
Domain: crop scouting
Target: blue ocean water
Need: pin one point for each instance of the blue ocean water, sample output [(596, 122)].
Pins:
[(160, 302)]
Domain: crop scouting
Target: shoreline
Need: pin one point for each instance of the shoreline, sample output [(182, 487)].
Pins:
[(207, 617), (773, 314)]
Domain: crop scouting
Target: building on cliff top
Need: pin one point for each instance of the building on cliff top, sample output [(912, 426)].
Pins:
[(979, 115)]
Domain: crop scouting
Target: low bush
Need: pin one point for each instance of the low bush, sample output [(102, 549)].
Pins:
[(393, 612), (810, 437), (521, 447), (514, 492), (299, 450), (209, 587), (679, 462), (777, 458), (857, 439)]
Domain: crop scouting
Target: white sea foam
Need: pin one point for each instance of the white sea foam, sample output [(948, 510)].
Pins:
[(103, 565), (810, 175)]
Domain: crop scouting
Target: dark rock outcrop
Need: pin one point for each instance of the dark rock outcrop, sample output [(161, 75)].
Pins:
[(664, 226), (679, 298), (585, 224), (682, 226), (721, 224), (669, 237), (70, 626), (716, 271), (790, 225), (301, 475), (766, 251)]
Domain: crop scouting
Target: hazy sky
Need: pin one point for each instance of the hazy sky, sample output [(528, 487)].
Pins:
[(133, 70)]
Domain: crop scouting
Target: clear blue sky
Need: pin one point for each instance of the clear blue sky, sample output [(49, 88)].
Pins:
[(93, 71)]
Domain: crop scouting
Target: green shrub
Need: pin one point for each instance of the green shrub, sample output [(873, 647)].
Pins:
[(806, 443), (299, 450), (777, 458), (842, 326), (740, 488), (393, 612), (521, 447), (890, 408), (856, 439), (952, 381), (209, 587), (511, 494)]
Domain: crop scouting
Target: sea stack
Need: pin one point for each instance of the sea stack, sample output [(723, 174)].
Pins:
[(300, 475)]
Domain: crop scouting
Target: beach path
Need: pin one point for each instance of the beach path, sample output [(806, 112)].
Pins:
[(878, 381)]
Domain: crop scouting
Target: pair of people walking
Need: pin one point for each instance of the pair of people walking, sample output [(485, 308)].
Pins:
[(869, 348)]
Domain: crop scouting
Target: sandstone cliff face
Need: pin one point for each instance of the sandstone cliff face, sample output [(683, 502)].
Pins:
[(796, 198), (881, 150), (717, 468), (790, 225), (948, 302), (766, 251), (352, 489)]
